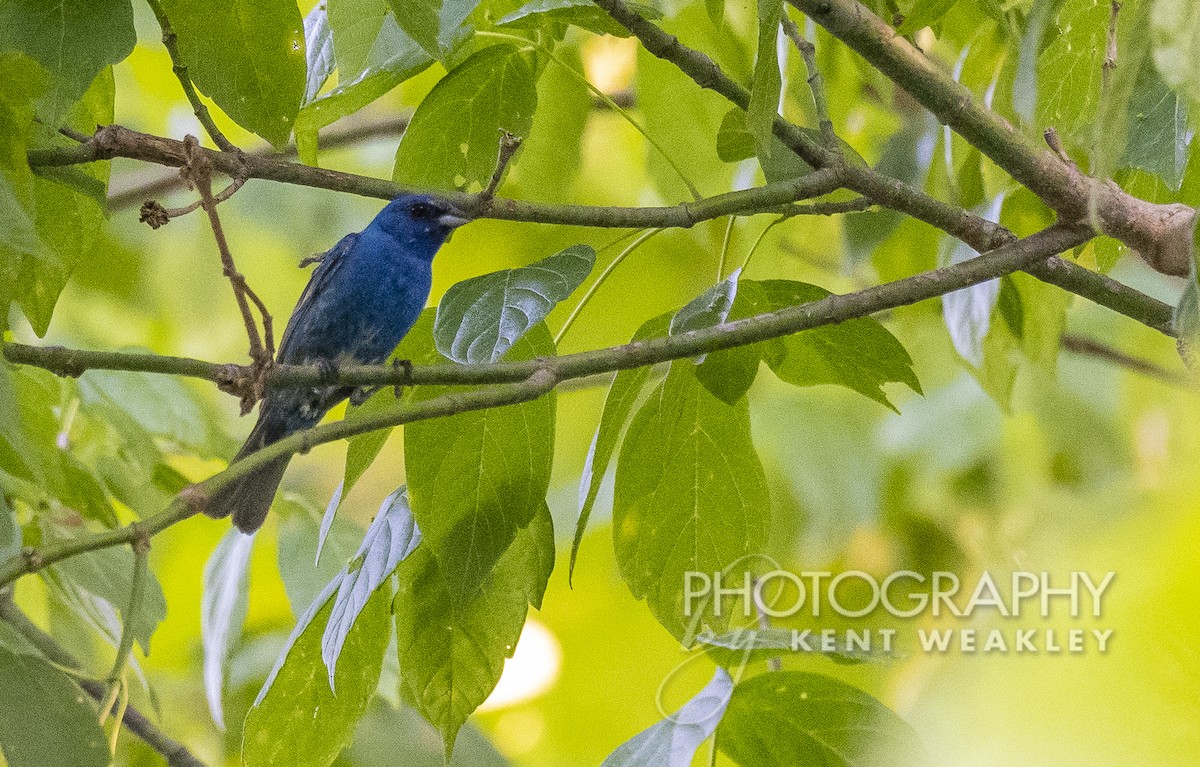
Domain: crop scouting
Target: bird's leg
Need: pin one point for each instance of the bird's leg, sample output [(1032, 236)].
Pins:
[(315, 258)]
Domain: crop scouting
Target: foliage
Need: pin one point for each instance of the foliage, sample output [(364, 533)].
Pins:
[(943, 436)]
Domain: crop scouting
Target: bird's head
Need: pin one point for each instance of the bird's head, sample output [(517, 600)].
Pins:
[(420, 219)]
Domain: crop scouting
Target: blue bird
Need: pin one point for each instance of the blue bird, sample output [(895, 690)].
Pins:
[(363, 297)]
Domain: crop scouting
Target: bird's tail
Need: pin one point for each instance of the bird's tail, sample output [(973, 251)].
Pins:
[(249, 497)]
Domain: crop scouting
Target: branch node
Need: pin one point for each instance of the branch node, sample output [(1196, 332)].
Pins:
[(509, 144), (195, 498)]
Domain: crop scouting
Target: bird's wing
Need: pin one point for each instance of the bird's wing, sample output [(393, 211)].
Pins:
[(291, 345)]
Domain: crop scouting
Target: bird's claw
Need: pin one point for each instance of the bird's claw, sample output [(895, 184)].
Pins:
[(398, 387), (362, 394), (328, 370)]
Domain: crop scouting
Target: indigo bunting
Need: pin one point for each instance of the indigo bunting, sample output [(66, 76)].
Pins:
[(362, 298)]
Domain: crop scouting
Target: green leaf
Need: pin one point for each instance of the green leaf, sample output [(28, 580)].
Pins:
[(420, 20), (298, 721), (45, 719), (622, 395), (735, 143), (246, 55), (764, 88), (690, 495), (479, 320), (1069, 69), (729, 374), (792, 717), (580, 13), (374, 56), (859, 354), (675, 740), (108, 574), (1186, 318), (356, 26), (453, 141), (1158, 130), (925, 13), (389, 540), (451, 650), (318, 51), (303, 575), (552, 156), (74, 39), (475, 479), (1175, 32)]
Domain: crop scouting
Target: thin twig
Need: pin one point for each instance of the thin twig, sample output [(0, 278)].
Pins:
[(156, 215), (816, 83), (176, 754), (181, 71), (1088, 347), (198, 171), (509, 144), (137, 587)]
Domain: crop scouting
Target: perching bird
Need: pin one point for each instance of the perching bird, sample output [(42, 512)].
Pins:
[(362, 298)]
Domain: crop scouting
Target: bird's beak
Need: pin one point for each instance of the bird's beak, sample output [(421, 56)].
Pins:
[(453, 218)]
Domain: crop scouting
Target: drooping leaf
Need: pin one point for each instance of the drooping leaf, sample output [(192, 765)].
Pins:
[(765, 87), (735, 143), (223, 608), (419, 20), (318, 51), (297, 720), (791, 717), (690, 496), (552, 156), (622, 395), (859, 354), (452, 651), (674, 741), (707, 310), (304, 575), (246, 55), (730, 373), (108, 575), (389, 58), (1186, 318), (1069, 69), (1158, 130), (476, 478), (479, 320), (45, 719), (453, 141), (391, 537), (1175, 31), (73, 39), (968, 312), (356, 26)]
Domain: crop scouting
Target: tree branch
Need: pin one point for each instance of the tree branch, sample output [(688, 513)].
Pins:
[(1160, 233), (116, 141), (539, 376), (176, 754)]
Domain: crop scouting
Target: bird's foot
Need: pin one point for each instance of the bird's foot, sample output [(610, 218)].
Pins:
[(362, 394)]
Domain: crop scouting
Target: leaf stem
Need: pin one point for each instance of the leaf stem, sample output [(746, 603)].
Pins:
[(591, 291)]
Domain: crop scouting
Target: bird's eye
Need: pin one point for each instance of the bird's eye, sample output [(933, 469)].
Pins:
[(423, 211)]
